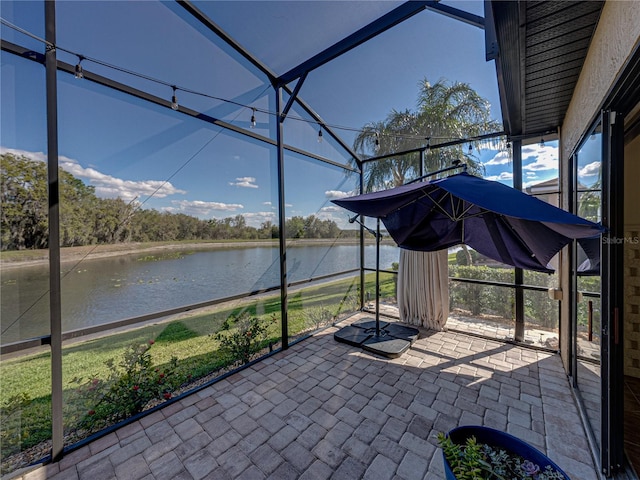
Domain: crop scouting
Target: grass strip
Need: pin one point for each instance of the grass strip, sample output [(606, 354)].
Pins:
[(25, 396)]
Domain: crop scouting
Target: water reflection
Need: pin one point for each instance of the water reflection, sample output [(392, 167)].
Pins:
[(114, 288)]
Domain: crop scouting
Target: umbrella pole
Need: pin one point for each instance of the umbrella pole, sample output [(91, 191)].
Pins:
[(378, 279), (395, 340)]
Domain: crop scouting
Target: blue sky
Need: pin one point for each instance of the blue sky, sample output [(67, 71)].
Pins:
[(165, 160)]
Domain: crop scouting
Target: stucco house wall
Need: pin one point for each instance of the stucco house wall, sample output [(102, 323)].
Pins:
[(616, 38)]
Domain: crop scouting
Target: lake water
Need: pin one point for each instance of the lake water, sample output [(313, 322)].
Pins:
[(115, 288)]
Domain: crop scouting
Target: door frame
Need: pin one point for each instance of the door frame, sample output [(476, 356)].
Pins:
[(612, 294), (610, 444)]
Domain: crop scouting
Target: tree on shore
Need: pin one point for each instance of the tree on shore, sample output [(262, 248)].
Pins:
[(86, 219), (23, 193)]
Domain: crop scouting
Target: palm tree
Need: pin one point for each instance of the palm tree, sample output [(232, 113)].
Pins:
[(395, 134), (446, 112)]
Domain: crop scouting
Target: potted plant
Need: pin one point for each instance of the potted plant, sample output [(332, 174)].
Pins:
[(483, 453)]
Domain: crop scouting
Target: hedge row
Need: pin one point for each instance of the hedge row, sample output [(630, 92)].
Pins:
[(499, 301)]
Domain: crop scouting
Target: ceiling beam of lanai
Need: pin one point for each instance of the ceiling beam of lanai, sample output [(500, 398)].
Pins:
[(378, 26), (217, 30)]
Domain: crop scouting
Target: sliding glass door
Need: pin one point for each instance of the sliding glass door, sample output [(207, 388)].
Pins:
[(597, 290)]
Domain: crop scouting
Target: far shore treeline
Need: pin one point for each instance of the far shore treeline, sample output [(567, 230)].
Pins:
[(86, 219)]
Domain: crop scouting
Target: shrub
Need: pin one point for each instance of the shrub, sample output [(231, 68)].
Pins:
[(318, 317), (349, 303), (129, 388), (482, 298), (463, 256), (239, 346)]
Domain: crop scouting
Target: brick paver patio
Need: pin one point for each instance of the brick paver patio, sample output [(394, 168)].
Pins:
[(325, 410)]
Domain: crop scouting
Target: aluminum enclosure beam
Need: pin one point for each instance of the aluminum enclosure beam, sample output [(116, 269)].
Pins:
[(378, 26), (88, 75), (55, 288), (435, 146), (292, 98), (215, 28), (273, 79), (457, 14)]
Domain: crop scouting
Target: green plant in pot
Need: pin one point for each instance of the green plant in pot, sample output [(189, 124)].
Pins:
[(482, 453)]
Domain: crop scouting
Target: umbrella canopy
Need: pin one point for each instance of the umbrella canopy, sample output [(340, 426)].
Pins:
[(496, 220), (589, 256)]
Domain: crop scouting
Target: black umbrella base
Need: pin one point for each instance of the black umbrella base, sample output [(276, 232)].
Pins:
[(392, 341), (386, 346)]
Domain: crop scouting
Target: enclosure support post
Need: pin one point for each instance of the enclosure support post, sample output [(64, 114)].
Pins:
[(362, 258), (282, 222), (378, 277), (57, 424), (519, 273)]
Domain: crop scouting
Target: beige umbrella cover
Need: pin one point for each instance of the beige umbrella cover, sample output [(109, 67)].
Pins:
[(423, 288)]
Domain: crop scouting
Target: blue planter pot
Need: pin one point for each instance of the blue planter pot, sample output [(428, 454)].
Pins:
[(501, 440)]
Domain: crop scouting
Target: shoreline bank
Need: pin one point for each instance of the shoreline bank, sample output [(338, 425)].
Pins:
[(32, 258)]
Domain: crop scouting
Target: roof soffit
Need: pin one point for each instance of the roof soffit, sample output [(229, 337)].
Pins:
[(542, 47)]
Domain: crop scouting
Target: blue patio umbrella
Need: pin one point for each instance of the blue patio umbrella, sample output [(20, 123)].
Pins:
[(498, 221), (589, 256)]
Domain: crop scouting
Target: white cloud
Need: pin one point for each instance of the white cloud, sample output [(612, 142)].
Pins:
[(590, 170), (244, 182), (274, 207), (540, 158), (500, 158), (331, 215), (202, 209), (37, 156), (107, 186), (337, 214), (331, 194), (331, 209), (543, 158), (502, 176), (259, 214), (256, 219)]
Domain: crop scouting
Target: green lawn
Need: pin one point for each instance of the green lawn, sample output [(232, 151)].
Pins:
[(26, 384)]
